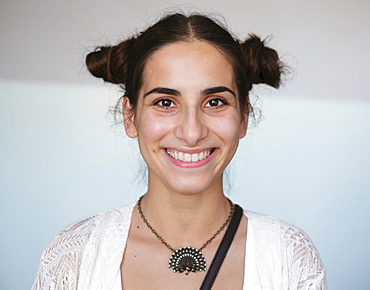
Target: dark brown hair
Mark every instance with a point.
(123, 64)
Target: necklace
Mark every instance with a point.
(187, 259)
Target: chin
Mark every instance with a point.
(190, 186)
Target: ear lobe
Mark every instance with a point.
(128, 118)
(244, 121)
(243, 127)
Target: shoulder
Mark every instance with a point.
(82, 229)
(66, 252)
(273, 227)
(286, 249)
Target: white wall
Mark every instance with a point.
(308, 162)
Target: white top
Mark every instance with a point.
(88, 254)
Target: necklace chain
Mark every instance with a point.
(232, 206)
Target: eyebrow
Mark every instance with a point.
(165, 91)
(218, 89)
(172, 92)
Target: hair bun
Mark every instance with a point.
(111, 62)
(263, 63)
(97, 62)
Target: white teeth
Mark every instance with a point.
(194, 157)
(201, 156)
(187, 157)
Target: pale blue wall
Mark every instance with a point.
(308, 161)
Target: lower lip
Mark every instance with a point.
(195, 164)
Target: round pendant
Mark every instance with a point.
(187, 259)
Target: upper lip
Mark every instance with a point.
(189, 151)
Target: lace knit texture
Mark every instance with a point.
(305, 268)
(60, 261)
(88, 254)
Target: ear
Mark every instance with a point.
(244, 121)
(128, 118)
(243, 127)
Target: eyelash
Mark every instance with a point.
(160, 103)
(223, 101)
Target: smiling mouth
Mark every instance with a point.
(188, 157)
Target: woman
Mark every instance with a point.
(186, 82)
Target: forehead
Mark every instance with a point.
(188, 62)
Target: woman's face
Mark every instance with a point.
(187, 118)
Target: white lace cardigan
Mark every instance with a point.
(88, 254)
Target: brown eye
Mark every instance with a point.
(217, 102)
(165, 103)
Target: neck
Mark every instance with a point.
(186, 219)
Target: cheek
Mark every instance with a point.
(152, 128)
(229, 128)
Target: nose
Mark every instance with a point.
(191, 127)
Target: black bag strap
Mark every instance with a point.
(222, 249)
